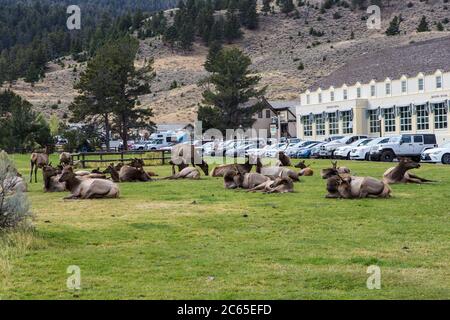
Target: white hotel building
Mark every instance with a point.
(398, 90)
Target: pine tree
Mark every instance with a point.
(170, 36)
(394, 27)
(233, 87)
(214, 49)
(217, 31)
(232, 28)
(248, 14)
(287, 6)
(423, 25)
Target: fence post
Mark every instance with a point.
(163, 157)
(83, 165)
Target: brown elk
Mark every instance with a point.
(305, 169)
(400, 174)
(51, 179)
(334, 170)
(112, 170)
(187, 173)
(220, 171)
(65, 158)
(362, 187)
(38, 160)
(183, 155)
(233, 179)
(283, 160)
(277, 172)
(280, 185)
(89, 188)
(132, 174)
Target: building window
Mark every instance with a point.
(308, 99)
(333, 123)
(320, 125)
(347, 122)
(404, 86)
(422, 117)
(374, 122)
(440, 116)
(345, 94)
(405, 119)
(438, 82)
(260, 114)
(268, 113)
(373, 91)
(320, 98)
(388, 89)
(358, 93)
(389, 120)
(307, 126)
(421, 85)
(332, 96)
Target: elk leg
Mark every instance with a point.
(333, 196)
(35, 173)
(414, 180)
(419, 178)
(31, 171)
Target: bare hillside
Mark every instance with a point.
(278, 49)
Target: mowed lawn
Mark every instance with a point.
(195, 240)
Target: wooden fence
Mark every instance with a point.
(162, 156)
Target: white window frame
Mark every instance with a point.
(388, 88)
(389, 120)
(404, 85)
(405, 118)
(423, 117)
(374, 121)
(439, 83)
(440, 116)
(307, 126)
(333, 126)
(320, 124)
(345, 94)
(421, 84)
(332, 96)
(358, 92)
(347, 122)
(373, 90)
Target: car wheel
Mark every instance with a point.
(367, 157)
(348, 156)
(387, 156)
(446, 158)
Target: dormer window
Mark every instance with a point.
(439, 82)
(320, 98)
(358, 92)
(421, 84)
(373, 90)
(388, 89)
(404, 86)
(345, 94)
(308, 99)
(332, 96)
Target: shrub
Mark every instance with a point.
(14, 205)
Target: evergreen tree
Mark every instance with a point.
(423, 25)
(287, 6)
(248, 14)
(214, 49)
(394, 27)
(266, 6)
(233, 88)
(170, 36)
(217, 30)
(232, 28)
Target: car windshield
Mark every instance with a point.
(446, 145)
(364, 142)
(395, 139)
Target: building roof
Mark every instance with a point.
(280, 105)
(409, 60)
(172, 126)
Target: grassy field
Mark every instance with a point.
(195, 240)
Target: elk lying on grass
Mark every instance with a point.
(220, 171)
(280, 185)
(38, 160)
(51, 179)
(277, 172)
(183, 155)
(89, 188)
(113, 171)
(132, 174)
(234, 179)
(283, 160)
(334, 170)
(400, 174)
(65, 158)
(187, 173)
(362, 187)
(305, 169)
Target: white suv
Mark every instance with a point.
(363, 152)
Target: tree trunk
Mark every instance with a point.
(124, 134)
(107, 132)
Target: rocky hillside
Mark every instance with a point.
(284, 52)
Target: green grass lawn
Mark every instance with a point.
(195, 240)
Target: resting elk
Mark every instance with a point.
(183, 155)
(305, 169)
(400, 174)
(233, 179)
(362, 187)
(277, 172)
(65, 158)
(38, 160)
(51, 179)
(187, 173)
(220, 171)
(280, 185)
(89, 188)
(283, 160)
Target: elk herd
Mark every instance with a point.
(280, 178)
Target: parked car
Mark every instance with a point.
(327, 151)
(272, 152)
(405, 145)
(363, 152)
(436, 155)
(293, 150)
(306, 152)
(315, 151)
(344, 151)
